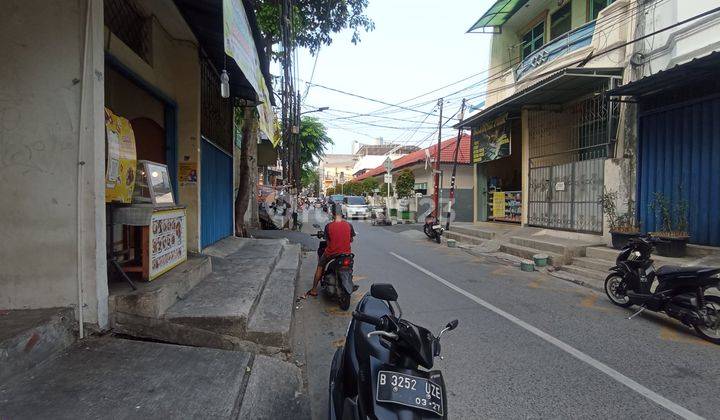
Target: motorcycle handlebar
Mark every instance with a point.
(368, 319)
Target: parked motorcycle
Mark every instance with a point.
(337, 279)
(377, 373)
(680, 291)
(432, 228)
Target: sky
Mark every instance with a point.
(417, 46)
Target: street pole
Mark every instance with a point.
(436, 211)
(455, 159)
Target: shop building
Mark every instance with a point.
(422, 164)
(83, 82)
(676, 91)
(549, 139)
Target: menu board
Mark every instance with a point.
(121, 159)
(491, 140)
(168, 241)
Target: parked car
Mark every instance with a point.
(355, 206)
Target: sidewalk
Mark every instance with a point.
(210, 339)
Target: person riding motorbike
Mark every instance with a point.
(338, 236)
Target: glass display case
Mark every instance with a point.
(153, 185)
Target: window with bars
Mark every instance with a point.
(216, 121)
(127, 21)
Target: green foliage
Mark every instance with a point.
(619, 222)
(310, 179)
(313, 141)
(672, 216)
(364, 187)
(330, 191)
(314, 21)
(405, 184)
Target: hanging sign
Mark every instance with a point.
(121, 159)
(168, 241)
(240, 45)
(388, 178)
(491, 140)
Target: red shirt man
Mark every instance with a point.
(338, 234)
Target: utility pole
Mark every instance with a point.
(285, 91)
(436, 193)
(455, 161)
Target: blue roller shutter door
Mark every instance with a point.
(679, 155)
(216, 194)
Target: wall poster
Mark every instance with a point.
(491, 140)
(168, 241)
(121, 159)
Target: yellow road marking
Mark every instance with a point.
(334, 311)
(589, 302)
(338, 343)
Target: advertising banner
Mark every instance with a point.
(168, 241)
(491, 140)
(121, 159)
(240, 45)
(498, 205)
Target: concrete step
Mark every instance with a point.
(474, 232)
(527, 253)
(602, 253)
(115, 378)
(153, 298)
(274, 391)
(31, 336)
(585, 272)
(271, 319)
(463, 238)
(593, 264)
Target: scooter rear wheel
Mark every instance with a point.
(344, 300)
(711, 314)
(614, 289)
(437, 237)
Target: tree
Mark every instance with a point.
(314, 23)
(405, 184)
(310, 179)
(313, 141)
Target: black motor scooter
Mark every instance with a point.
(337, 279)
(680, 291)
(432, 228)
(377, 373)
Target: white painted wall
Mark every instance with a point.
(41, 130)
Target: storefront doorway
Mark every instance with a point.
(497, 154)
(216, 194)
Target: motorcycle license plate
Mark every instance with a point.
(436, 227)
(410, 391)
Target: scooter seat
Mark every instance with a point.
(673, 271)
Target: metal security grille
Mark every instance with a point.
(568, 147)
(216, 112)
(125, 19)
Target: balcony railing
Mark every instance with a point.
(571, 41)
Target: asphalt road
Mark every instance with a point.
(528, 345)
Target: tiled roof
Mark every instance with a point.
(447, 150)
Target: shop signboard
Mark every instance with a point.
(168, 241)
(491, 140)
(240, 45)
(121, 159)
(498, 205)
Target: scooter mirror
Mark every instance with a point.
(452, 325)
(383, 291)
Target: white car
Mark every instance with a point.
(354, 206)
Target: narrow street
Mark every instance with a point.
(528, 344)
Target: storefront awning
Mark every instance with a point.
(697, 69)
(558, 89)
(496, 16)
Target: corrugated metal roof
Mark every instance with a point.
(557, 89)
(697, 68)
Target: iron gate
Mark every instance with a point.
(568, 147)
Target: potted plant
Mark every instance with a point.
(405, 188)
(623, 227)
(673, 222)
